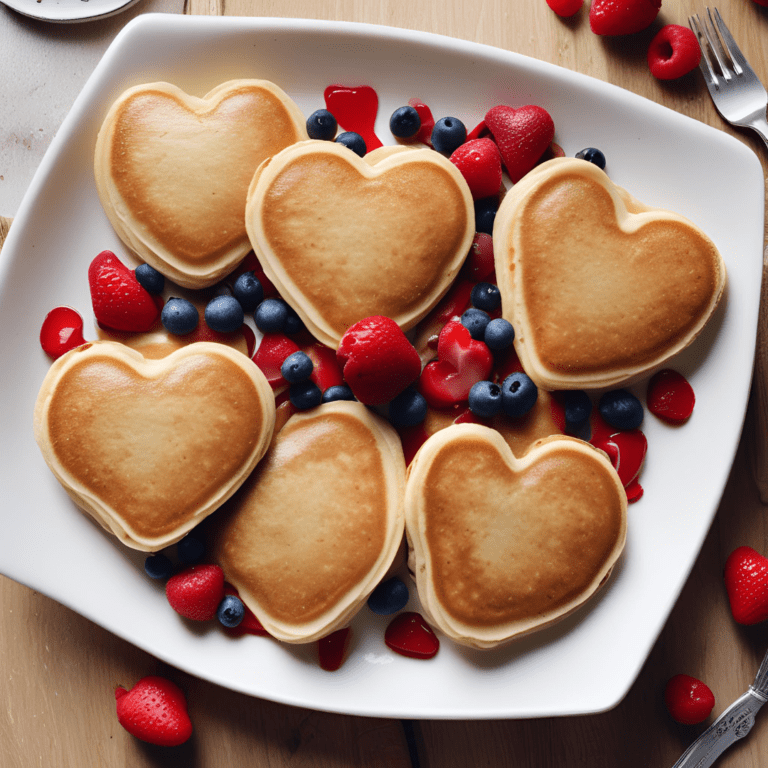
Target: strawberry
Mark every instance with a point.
(479, 266)
(622, 17)
(670, 396)
(522, 136)
(565, 8)
(271, 354)
(409, 635)
(480, 164)
(377, 360)
(119, 301)
(746, 582)
(155, 711)
(196, 592)
(688, 700)
(673, 52)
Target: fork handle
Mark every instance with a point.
(759, 125)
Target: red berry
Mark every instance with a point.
(565, 7)
(673, 52)
(688, 700)
(61, 331)
(670, 396)
(409, 635)
(196, 592)
(331, 649)
(271, 354)
(622, 17)
(764, 3)
(480, 164)
(746, 582)
(326, 371)
(427, 121)
(479, 265)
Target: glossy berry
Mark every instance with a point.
(485, 399)
(62, 330)
(248, 291)
(448, 134)
(673, 52)
(499, 334)
(518, 394)
(190, 549)
(670, 396)
(592, 155)
(475, 321)
(485, 214)
(179, 316)
(405, 123)
(158, 566)
(271, 315)
(150, 279)
(486, 296)
(297, 367)
(322, 125)
(224, 314)
(578, 408)
(565, 8)
(621, 409)
(745, 576)
(479, 162)
(338, 392)
(688, 700)
(231, 611)
(196, 592)
(409, 635)
(622, 17)
(389, 597)
(353, 141)
(305, 394)
(408, 409)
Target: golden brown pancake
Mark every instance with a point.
(503, 546)
(317, 525)
(151, 447)
(600, 288)
(344, 237)
(173, 170)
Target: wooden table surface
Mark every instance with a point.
(58, 670)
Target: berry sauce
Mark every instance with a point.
(62, 330)
(355, 110)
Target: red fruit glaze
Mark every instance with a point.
(673, 52)
(688, 700)
(271, 354)
(479, 162)
(61, 331)
(331, 649)
(746, 582)
(355, 110)
(409, 635)
(670, 396)
(565, 8)
(622, 17)
(196, 592)
(427, 121)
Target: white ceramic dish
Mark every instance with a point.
(663, 158)
(64, 11)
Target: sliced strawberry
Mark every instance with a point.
(409, 635)
(271, 354)
(327, 371)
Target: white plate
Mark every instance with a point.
(69, 10)
(663, 158)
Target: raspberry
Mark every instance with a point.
(673, 52)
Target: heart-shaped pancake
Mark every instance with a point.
(601, 289)
(172, 171)
(151, 447)
(502, 546)
(318, 523)
(344, 237)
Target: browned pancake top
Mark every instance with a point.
(599, 297)
(185, 175)
(508, 546)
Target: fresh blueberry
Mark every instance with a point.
(408, 408)
(321, 124)
(297, 367)
(485, 399)
(485, 214)
(150, 279)
(404, 123)
(621, 409)
(222, 289)
(224, 314)
(271, 315)
(486, 296)
(248, 291)
(389, 597)
(578, 408)
(179, 316)
(158, 566)
(518, 394)
(499, 334)
(475, 321)
(592, 155)
(231, 611)
(293, 323)
(338, 392)
(190, 549)
(448, 134)
(305, 394)
(353, 141)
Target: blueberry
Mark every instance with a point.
(499, 334)
(404, 123)
(271, 315)
(321, 124)
(224, 314)
(179, 316)
(621, 409)
(448, 134)
(518, 394)
(293, 323)
(305, 394)
(485, 214)
(231, 611)
(150, 279)
(592, 155)
(338, 392)
(190, 549)
(158, 566)
(485, 399)
(475, 321)
(578, 408)
(353, 141)
(248, 291)
(297, 367)
(408, 408)
(389, 597)
(486, 296)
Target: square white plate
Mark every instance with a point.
(661, 157)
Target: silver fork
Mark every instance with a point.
(736, 91)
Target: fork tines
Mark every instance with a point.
(720, 44)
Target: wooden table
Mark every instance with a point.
(58, 670)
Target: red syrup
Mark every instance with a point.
(670, 396)
(427, 121)
(355, 110)
(62, 330)
(332, 649)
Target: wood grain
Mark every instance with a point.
(59, 670)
